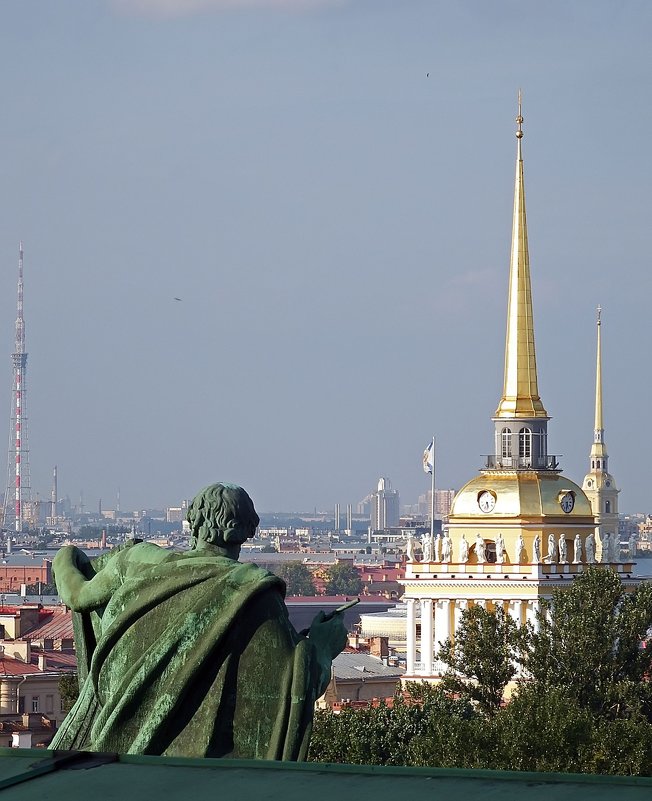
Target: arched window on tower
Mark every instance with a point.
(598, 464)
(607, 506)
(506, 436)
(525, 443)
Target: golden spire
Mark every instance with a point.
(520, 391)
(598, 449)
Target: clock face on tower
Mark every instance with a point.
(567, 502)
(486, 501)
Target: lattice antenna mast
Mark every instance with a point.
(18, 483)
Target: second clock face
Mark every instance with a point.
(486, 501)
(567, 502)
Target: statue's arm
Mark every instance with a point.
(79, 586)
(328, 638)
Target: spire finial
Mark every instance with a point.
(519, 118)
(599, 310)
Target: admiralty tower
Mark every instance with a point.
(519, 528)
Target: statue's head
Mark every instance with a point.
(222, 515)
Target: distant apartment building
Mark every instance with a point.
(443, 503)
(385, 512)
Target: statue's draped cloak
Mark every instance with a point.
(194, 656)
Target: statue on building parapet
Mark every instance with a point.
(521, 556)
(605, 550)
(446, 548)
(632, 546)
(500, 549)
(577, 550)
(614, 548)
(589, 548)
(437, 548)
(536, 549)
(411, 549)
(552, 549)
(563, 553)
(191, 654)
(426, 548)
(464, 550)
(480, 549)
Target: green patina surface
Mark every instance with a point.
(40, 774)
(191, 654)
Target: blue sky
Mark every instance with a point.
(337, 225)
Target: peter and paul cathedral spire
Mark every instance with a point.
(599, 485)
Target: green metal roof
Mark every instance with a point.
(38, 774)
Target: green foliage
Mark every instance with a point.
(297, 577)
(343, 579)
(69, 690)
(583, 704)
(590, 642)
(482, 659)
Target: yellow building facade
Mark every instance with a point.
(518, 529)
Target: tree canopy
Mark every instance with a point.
(343, 579)
(581, 699)
(297, 578)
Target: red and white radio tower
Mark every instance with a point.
(18, 485)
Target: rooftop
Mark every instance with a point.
(38, 774)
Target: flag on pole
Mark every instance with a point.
(429, 458)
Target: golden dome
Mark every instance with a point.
(520, 495)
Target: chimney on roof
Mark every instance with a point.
(42, 662)
(379, 646)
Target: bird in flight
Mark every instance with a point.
(179, 299)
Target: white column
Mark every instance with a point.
(442, 621)
(426, 636)
(514, 611)
(460, 605)
(531, 613)
(411, 636)
(480, 602)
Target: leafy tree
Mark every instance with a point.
(297, 577)
(591, 642)
(68, 689)
(482, 659)
(343, 579)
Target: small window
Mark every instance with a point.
(525, 443)
(506, 438)
(35, 703)
(49, 703)
(589, 483)
(598, 464)
(607, 506)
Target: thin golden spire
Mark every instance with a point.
(520, 390)
(599, 448)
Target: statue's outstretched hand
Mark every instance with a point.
(328, 633)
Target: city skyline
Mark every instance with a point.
(327, 189)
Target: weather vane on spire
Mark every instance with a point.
(519, 118)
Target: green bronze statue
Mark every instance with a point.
(191, 654)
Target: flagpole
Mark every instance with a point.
(432, 495)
